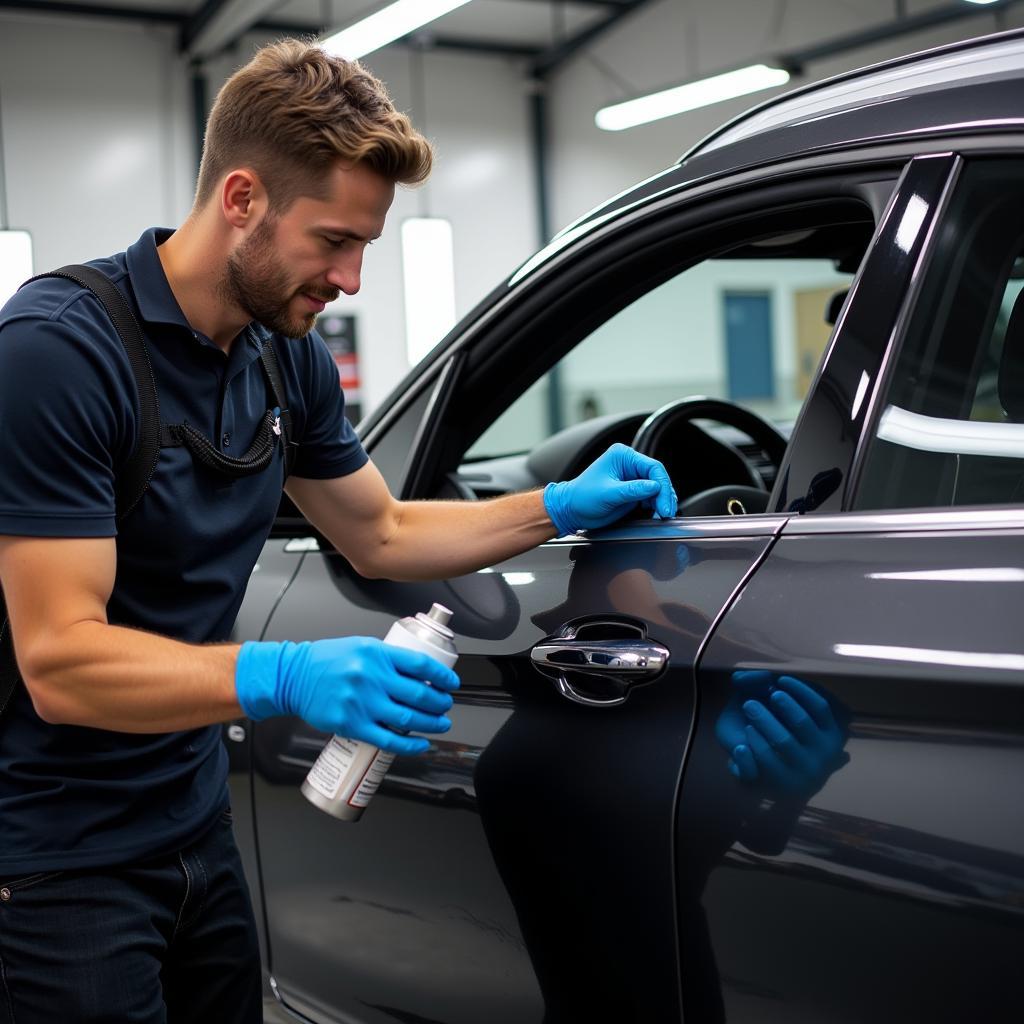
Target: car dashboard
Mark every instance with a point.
(691, 452)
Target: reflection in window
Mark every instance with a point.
(951, 428)
(752, 330)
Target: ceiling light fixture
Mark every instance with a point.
(690, 96)
(391, 23)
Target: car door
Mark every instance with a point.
(873, 866)
(524, 869)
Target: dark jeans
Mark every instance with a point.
(163, 942)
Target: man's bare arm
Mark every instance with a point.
(80, 670)
(411, 540)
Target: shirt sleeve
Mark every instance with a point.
(66, 422)
(328, 445)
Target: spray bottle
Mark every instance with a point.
(348, 772)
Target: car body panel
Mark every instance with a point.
(909, 859)
(455, 843)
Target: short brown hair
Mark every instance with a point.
(293, 111)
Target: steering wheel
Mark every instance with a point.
(730, 499)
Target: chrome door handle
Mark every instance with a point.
(622, 663)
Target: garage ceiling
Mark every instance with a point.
(546, 29)
(545, 32)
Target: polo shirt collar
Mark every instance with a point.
(158, 305)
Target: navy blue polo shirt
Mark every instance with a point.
(78, 797)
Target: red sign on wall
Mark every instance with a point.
(339, 332)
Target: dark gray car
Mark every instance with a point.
(815, 813)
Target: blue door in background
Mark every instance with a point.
(748, 344)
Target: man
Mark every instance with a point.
(121, 892)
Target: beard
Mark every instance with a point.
(258, 283)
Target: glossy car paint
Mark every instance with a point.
(484, 882)
(897, 888)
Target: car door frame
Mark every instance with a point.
(843, 527)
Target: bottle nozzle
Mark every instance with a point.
(439, 614)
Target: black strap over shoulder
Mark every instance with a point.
(134, 476)
(272, 369)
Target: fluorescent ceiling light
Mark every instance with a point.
(15, 262)
(429, 275)
(981, 1)
(690, 96)
(393, 22)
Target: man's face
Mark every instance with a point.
(290, 266)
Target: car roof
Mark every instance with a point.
(998, 57)
(961, 88)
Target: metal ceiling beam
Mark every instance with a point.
(484, 47)
(94, 11)
(196, 22)
(544, 61)
(552, 59)
(220, 23)
(582, 3)
(902, 26)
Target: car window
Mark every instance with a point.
(950, 428)
(751, 330)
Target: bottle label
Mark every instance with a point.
(350, 771)
(330, 768)
(372, 779)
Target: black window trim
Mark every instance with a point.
(857, 349)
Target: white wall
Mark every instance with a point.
(99, 140)
(96, 133)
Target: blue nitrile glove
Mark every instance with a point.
(612, 485)
(354, 686)
(787, 737)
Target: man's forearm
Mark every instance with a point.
(440, 539)
(110, 677)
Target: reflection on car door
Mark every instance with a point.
(519, 871)
(849, 833)
(880, 873)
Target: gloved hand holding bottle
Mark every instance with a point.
(354, 686)
(609, 488)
